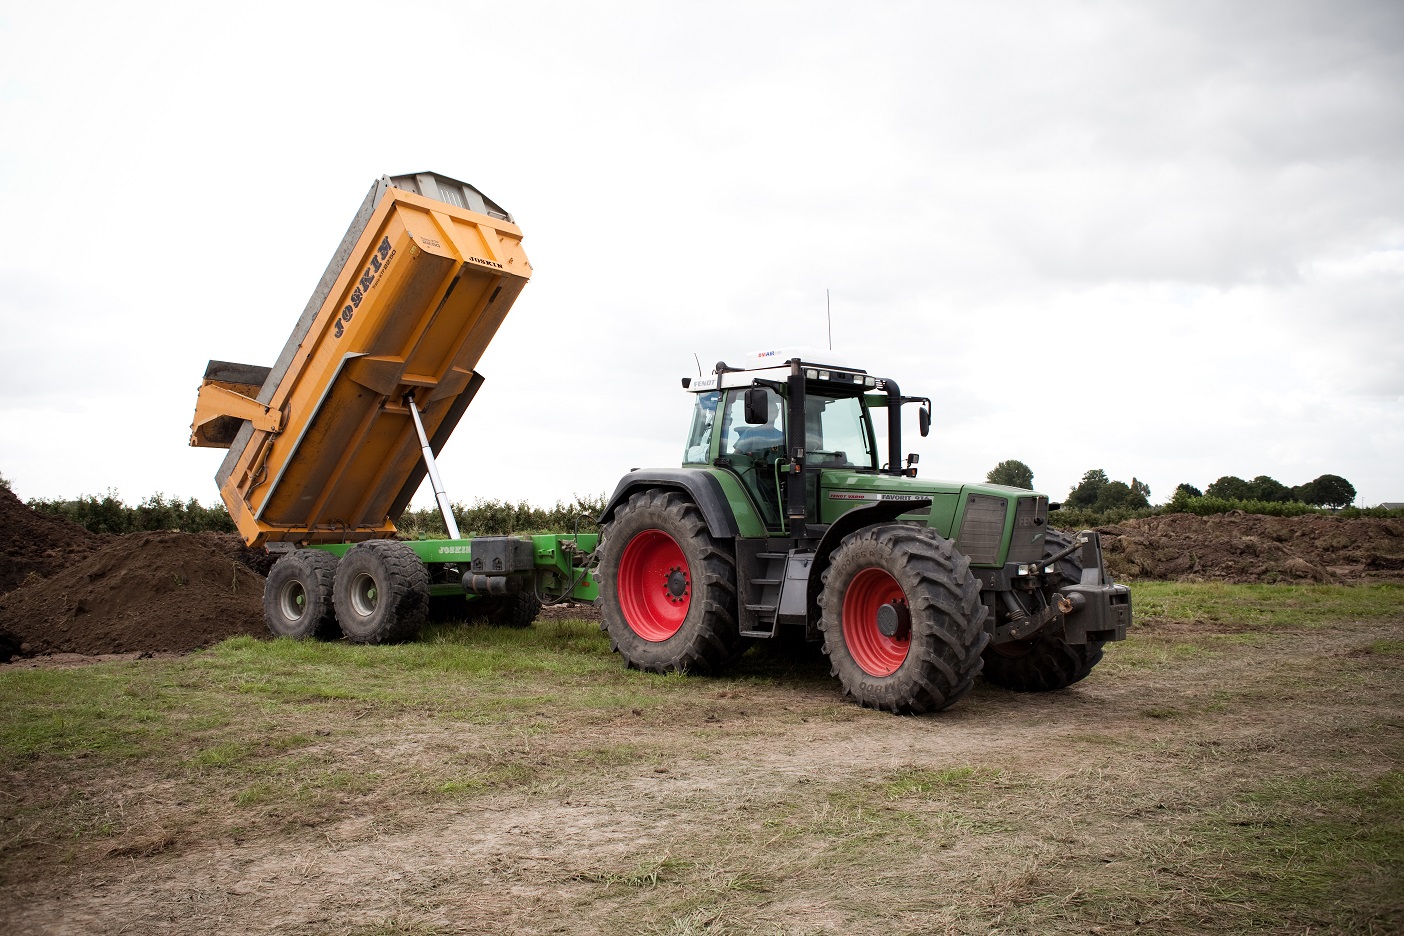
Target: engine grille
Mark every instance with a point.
(1030, 524)
(982, 528)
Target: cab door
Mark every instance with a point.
(755, 453)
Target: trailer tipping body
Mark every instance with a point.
(322, 445)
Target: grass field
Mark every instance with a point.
(1237, 765)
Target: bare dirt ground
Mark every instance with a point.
(1178, 790)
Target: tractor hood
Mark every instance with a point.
(991, 523)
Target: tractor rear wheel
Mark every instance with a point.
(902, 619)
(297, 596)
(381, 592)
(669, 587)
(1045, 662)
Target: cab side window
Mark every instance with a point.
(699, 437)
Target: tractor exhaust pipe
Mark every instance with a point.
(894, 428)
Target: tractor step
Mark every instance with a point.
(761, 597)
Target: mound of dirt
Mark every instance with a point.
(1248, 548)
(232, 545)
(37, 544)
(139, 592)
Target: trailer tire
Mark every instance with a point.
(515, 610)
(381, 592)
(902, 619)
(297, 595)
(1045, 662)
(668, 596)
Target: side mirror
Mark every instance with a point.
(924, 421)
(757, 406)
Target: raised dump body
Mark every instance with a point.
(322, 445)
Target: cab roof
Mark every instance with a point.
(774, 364)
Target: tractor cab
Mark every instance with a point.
(791, 430)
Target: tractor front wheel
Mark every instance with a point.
(381, 592)
(297, 596)
(669, 589)
(902, 619)
(1045, 662)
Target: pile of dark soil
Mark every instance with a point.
(37, 544)
(140, 592)
(1249, 548)
(232, 545)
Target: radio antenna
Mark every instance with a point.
(699, 363)
(829, 315)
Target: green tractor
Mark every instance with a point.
(786, 521)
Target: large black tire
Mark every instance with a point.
(911, 581)
(515, 610)
(297, 596)
(381, 592)
(1045, 662)
(669, 588)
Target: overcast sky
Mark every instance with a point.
(1161, 239)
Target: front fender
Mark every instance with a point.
(851, 522)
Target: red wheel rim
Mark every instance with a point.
(874, 652)
(654, 586)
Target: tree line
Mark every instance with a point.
(108, 513)
(1098, 493)
(1328, 490)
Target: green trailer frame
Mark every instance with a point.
(562, 568)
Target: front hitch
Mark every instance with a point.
(1095, 609)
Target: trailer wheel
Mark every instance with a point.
(515, 610)
(1045, 662)
(297, 595)
(381, 592)
(668, 600)
(902, 619)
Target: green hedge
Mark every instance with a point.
(1069, 519)
(487, 517)
(108, 514)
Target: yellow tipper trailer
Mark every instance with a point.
(323, 446)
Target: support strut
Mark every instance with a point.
(433, 468)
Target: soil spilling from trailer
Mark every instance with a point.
(1249, 548)
(143, 592)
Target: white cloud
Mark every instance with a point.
(1160, 239)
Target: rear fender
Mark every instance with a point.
(700, 485)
